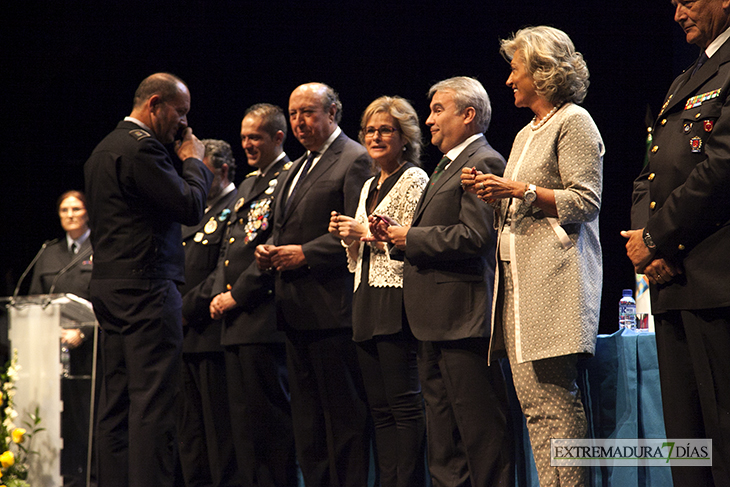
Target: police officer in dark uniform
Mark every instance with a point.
(682, 210)
(204, 431)
(137, 200)
(254, 349)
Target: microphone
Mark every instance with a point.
(30, 266)
(80, 256)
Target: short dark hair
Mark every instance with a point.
(164, 84)
(272, 118)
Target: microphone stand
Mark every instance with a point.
(30, 266)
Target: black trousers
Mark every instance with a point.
(467, 420)
(693, 348)
(329, 408)
(204, 427)
(261, 420)
(141, 344)
(390, 374)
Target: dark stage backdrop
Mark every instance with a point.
(69, 71)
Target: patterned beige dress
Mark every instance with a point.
(549, 279)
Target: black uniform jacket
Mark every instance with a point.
(55, 258)
(683, 195)
(136, 203)
(251, 224)
(202, 243)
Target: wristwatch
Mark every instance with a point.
(648, 241)
(530, 194)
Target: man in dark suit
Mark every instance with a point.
(682, 210)
(137, 201)
(255, 356)
(203, 425)
(448, 276)
(313, 292)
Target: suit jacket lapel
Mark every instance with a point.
(453, 171)
(330, 157)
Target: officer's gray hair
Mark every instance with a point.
(219, 152)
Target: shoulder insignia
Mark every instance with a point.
(272, 186)
(251, 174)
(139, 134)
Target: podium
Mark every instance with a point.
(35, 331)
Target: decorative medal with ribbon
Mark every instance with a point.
(211, 226)
(696, 144)
(239, 204)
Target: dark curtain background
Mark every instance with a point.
(69, 71)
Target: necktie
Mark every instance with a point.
(438, 171)
(302, 175)
(703, 57)
(73, 248)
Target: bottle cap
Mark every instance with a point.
(628, 292)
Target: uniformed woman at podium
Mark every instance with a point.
(65, 267)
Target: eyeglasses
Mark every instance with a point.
(385, 131)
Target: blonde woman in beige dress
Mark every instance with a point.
(549, 276)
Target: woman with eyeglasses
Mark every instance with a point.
(386, 348)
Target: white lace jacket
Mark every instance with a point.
(399, 204)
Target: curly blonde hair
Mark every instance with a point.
(559, 71)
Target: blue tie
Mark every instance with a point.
(302, 175)
(703, 57)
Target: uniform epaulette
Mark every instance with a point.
(139, 134)
(251, 174)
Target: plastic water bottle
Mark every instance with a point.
(627, 310)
